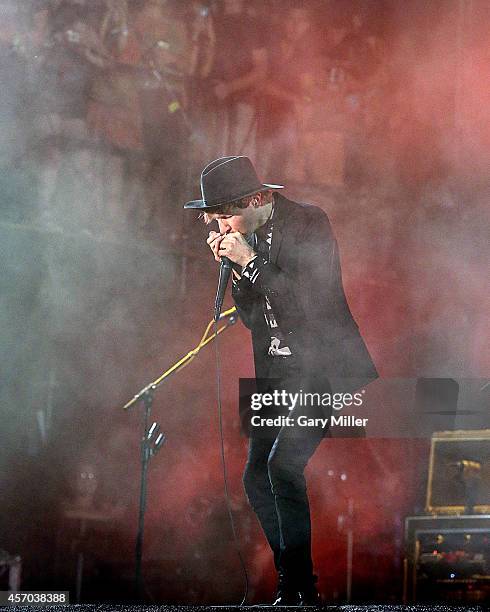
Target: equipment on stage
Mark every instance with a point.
(448, 551)
(459, 473)
(83, 537)
(447, 559)
(153, 439)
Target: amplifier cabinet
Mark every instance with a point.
(447, 559)
(459, 473)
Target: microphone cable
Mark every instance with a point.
(225, 471)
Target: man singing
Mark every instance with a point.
(287, 287)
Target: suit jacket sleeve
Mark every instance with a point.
(305, 290)
(247, 301)
(309, 274)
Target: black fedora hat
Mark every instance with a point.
(228, 179)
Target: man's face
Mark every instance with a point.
(242, 220)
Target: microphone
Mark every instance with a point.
(224, 276)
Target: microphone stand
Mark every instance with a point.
(153, 439)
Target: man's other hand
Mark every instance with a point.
(235, 247)
(214, 240)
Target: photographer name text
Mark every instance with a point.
(305, 421)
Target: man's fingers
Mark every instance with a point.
(230, 240)
(212, 237)
(214, 240)
(217, 243)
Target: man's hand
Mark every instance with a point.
(214, 240)
(235, 247)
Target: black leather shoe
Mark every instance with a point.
(310, 597)
(286, 597)
(287, 593)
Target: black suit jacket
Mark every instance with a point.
(303, 282)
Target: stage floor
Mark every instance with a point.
(173, 608)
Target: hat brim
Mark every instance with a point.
(203, 205)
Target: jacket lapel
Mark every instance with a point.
(277, 233)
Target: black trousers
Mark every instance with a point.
(275, 484)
